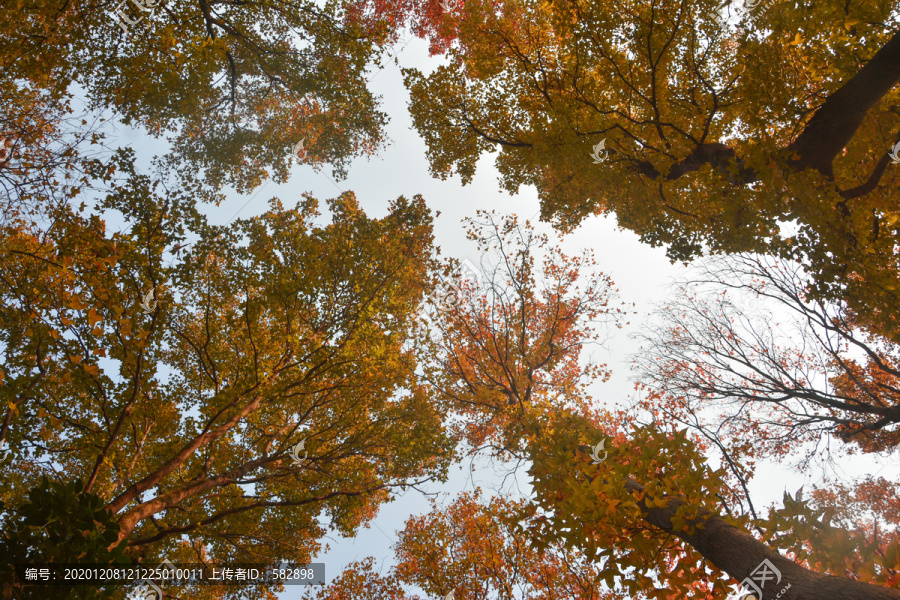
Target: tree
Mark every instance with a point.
(789, 374)
(360, 581)
(790, 370)
(237, 84)
(60, 523)
(473, 548)
(42, 158)
(641, 500)
(516, 342)
(769, 134)
(178, 387)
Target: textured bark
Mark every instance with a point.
(738, 553)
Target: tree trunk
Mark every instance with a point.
(834, 123)
(739, 554)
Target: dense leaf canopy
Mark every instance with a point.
(758, 129)
(173, 389)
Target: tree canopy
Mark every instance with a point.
(236, 84)
(473, 548)
(762, 129)
(174, 386)
(161, 376)
(608, 486)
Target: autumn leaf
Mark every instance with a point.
(716, 138)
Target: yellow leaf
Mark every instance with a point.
(798, 39)
(76, 303)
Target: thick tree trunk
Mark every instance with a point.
(826, 134)
(836, 121)
(739, 554)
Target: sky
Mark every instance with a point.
(643, 275)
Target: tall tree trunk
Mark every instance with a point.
(836, 121)
(738, 553)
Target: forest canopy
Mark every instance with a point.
(173, 389)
